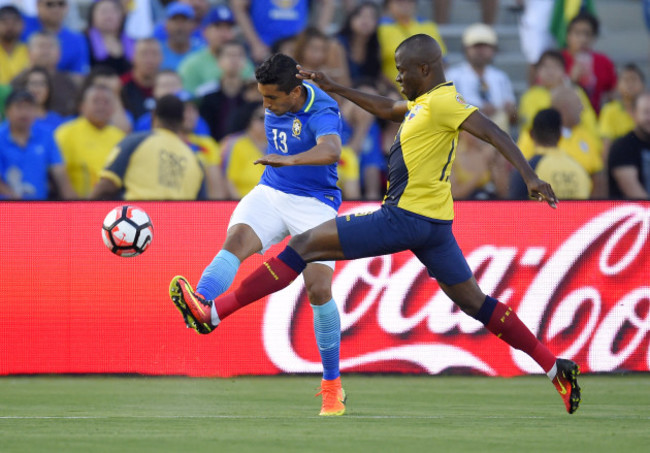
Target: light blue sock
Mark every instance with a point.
(327, 327)
(218, 276)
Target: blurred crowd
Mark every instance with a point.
(77, 78)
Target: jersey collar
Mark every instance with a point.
(443, 84)
(311, 96)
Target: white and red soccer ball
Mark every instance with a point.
(127, 231)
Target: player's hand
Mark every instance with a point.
(324, 82)
(274, 160)
(542, 191)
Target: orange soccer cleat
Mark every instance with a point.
(566, 383)
(334, 397)
(194, 308)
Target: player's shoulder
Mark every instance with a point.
(318, 100)
(444, 93)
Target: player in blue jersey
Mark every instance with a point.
(297, 192)
(418, 209)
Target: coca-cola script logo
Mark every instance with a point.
(584, 291)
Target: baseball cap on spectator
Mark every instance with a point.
(479, 34)
(10, 10)
(179, 9)
(218, 15)
(19, 96)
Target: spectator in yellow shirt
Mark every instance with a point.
(617, 116)
(241, 150)
(14, 57)
(471, 176)
(569, 179)
(86, 142)
(399, 23)
(550, 74)
(577, 140)
(154, 165)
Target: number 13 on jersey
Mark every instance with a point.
(280, 141)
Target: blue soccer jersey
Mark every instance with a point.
(294, 133)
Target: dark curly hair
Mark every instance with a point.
(280, 70)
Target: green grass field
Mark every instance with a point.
(279, 414)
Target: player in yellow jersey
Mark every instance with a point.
(418, 209)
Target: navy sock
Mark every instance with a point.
(486, 310)
(291, 258)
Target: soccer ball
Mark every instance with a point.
(127, 231)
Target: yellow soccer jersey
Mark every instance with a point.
(390, 35)
(567, 177)
(240, 170)
(579, 143)
(421, 157)
(614, 121)
(155, 165)
(84, 149)
(13, 64)
(539, 98)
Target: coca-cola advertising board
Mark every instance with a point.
(577, 276)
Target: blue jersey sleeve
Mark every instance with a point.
(325, 122)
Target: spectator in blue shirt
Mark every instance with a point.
(29, 155)
(169, 82)
(74, 48)
(180, 25)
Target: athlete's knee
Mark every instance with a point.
(241, 242)
(319, 292)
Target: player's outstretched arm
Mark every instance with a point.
(482, 127)
(380, 106)
(326, 152)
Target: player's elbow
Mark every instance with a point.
(331, 151)
(334, 155)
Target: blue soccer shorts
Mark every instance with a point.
(391, 230)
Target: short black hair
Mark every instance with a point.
(547, 127)
(280, 70)
(633, 67)
(585, 16)
(10, 10)
(19, 96)
(169, 111)
(553, 54)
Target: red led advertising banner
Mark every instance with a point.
(577, 276)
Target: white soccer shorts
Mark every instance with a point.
(273, 215)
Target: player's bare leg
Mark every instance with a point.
(502, 321)
(327, 330)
